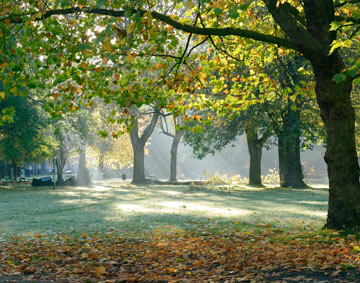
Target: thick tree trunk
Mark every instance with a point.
(339, 118)
(138, 145)
(255, 151)
(59, 167)
(173, 155)
(290, 169)
(139, 164)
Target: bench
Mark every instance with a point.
(22, 180)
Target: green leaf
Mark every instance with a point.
(356, 14)
(338, 78)
(245, 6)
(103, 133)
(352, 71)
(83, 46)
(65, 3)
(233, 13)
(217, 11)
(100, 3)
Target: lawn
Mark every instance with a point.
(117, 232)
(114, 204)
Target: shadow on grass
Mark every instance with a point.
(28, 210)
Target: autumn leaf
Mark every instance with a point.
(107, 46)
(99, 271)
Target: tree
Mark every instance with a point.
(23, 137)
(109, 144)
(315, 29)
(175, 133)
(224, 130)
(138, 142)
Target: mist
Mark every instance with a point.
(233, 159)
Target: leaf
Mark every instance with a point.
(103, 133)
(338, 78)
(83, 46)
(107, 45)
(233, 13)
(2, 95)
(217, 11)
(99, 271)
(352, 71)
(130, 57)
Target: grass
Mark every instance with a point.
(27, 211)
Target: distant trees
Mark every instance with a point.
(24, 137)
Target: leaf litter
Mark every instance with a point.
(262, 254)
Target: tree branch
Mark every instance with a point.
(168, 20)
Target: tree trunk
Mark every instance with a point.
(282, 158)
(83, 176)
(339, 118)
(173, 155)
(139, 164)
(138, 145)
(255, 151)
(101, 166)
(13, 170)
(60, 164)
(290, 169)
(60, 167)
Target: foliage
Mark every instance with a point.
(272, 178)
(108, 146)
(25, 137)
(72, 234)
(251, 255)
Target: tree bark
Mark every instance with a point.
(255, 151)
(290, 169)
(60, 163)
(139, 164)
(83, 176)
(60, 167)
(314, 40)
(138, 145)
(173, 155)
(341, 158)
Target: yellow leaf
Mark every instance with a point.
(130, 57)
(130, 28)
(220, 4)
(2, 95)
(107, 45)
(105, 60)
(149, 21)
(72, 23)
(14, 90)
(190, 4)
(83, 65)
(174, 17)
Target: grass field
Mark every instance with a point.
(27, 210)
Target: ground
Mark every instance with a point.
(116, 232)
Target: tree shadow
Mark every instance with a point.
(152, 207)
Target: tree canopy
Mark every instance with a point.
(142, 53)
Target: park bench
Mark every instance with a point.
(6, 181)
(22, 180)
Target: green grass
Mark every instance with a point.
(27, 210)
